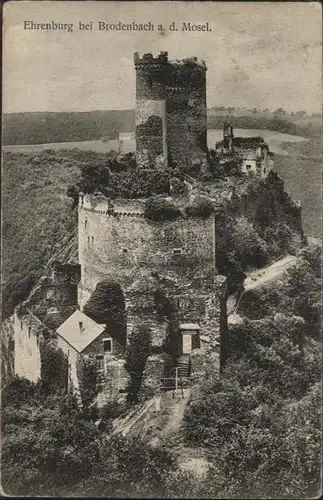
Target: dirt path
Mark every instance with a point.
(258, 278)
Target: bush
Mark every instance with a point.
(160, 209)
(107, 306)
(201, 207)
(136, 359)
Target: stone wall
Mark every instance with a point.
(123, 246)
(96, 347)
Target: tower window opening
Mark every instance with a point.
(29, 330)
(85, 222)
(107, 345)
(92, 240)
(124, 250)
(177, 251)
(88, 240)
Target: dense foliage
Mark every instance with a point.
(107, 306)
(89, 380)
(37, 221)
(161, 209)
(299, 293)
(262, 421)
(136, 359)
(54, 368)
(49, 448)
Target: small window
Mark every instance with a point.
(20, 325)
(29, 330)
(124, 250)
(177, 251)
(100, 362)
(107, 345)
(85, 222)
(88, 240)
(92, 239)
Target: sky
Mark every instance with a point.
(264, 55)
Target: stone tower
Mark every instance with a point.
(186, 112)
(151, 76)
(170, 110)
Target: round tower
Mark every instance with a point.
(151, 134)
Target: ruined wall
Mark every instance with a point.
(27, 335)
(123, 246)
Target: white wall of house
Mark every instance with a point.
(249, 165)
(27, 354)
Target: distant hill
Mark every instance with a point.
(45, 127)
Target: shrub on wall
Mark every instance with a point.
(160, 209)
(89, 384)
(107, 306)
(136, 359)
(54, 368)
(200, 207)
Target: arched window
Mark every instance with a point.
(88, 240)
(85, 222)
(92, 240)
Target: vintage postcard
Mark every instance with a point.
(161, 249)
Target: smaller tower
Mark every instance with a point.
(228, 136)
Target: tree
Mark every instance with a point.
(107, 306)
(94, 177)
(160, 209)
(73, 192)
(136, 359)
(89, 385)
(54, 368)
(280, 111)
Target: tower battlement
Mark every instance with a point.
(170, 110)
(148, 60)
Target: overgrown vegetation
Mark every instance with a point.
(262, 420)
(49, 447)
(89, 380)
(136, 359)
(107, 306)
(37, 221)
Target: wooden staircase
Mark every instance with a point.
(184, 366)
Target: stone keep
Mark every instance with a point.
(120, 244)
(170, 110)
